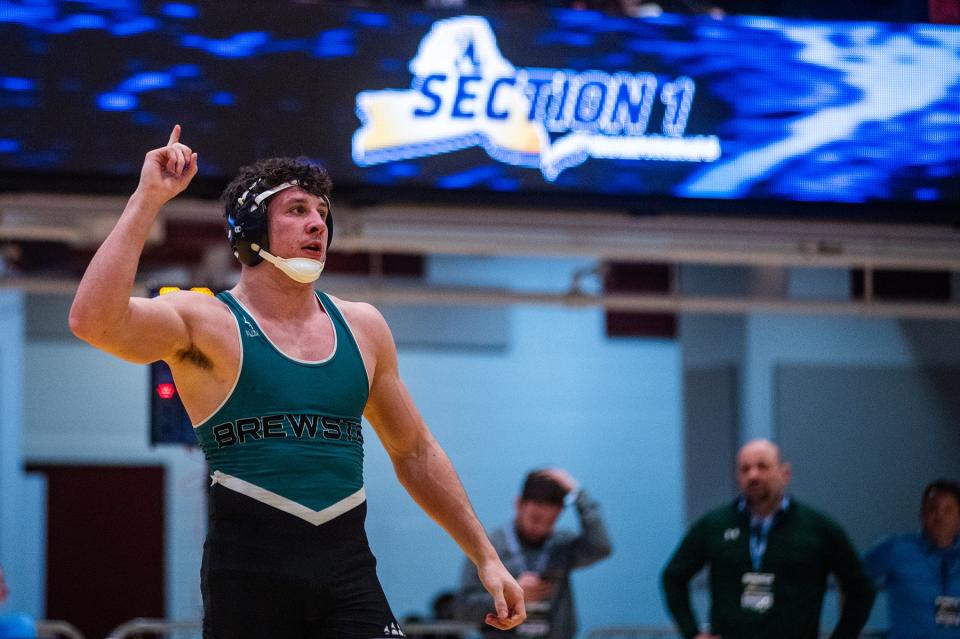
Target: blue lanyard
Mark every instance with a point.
(947, 557)
(944, 573)
(759, 531)
(513, 545)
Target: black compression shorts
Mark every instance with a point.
(270, 575)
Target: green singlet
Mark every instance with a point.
(289, 433)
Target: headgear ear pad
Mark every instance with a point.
(247, 222)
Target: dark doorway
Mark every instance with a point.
(105, 544)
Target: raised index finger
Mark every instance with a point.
(174, 135)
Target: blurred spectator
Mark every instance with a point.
(922, 572)
(769, 557)
(13, 625)
(540, 557)
(443, 606)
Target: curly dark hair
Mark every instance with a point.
(311, 177)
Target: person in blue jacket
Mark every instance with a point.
(921, 572)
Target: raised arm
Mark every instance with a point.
(427, 474)
(593, 542)
(103, 313)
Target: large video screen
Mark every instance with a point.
(559, 103)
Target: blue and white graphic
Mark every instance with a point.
(860, 80)
(465, 93)
(667, 112)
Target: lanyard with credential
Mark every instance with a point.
(944, 573)
(946, 558)
(513, 545)
(759, 531)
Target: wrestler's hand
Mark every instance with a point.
(507, 596)
(167, 171)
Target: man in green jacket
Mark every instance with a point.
(769, 557)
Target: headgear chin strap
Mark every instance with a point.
(299, 269)
(247, 224)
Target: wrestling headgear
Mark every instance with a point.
(247, 221)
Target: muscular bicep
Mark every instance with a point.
(390, 408)
(150, 330)
(392, 413)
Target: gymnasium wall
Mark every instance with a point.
(521, 386)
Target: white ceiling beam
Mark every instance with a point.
(85, 220)
(387, 292)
